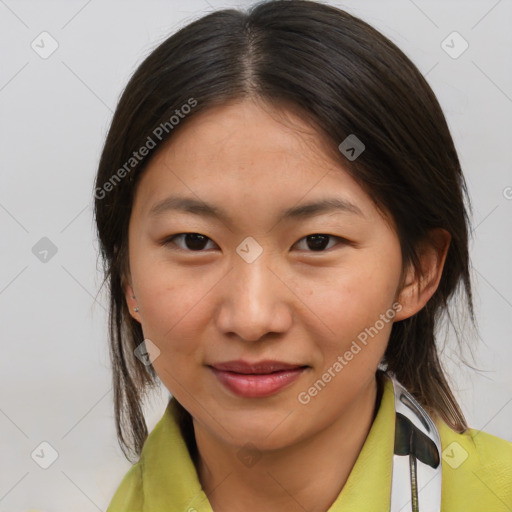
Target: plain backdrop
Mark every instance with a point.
(55, 380)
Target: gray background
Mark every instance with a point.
(54, 113)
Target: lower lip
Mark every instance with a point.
(252, 385)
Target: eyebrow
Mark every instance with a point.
(201, 208)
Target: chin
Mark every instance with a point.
(260, 442)
(270, 431)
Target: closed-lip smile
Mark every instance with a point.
(257, 379)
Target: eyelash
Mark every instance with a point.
(169, 241)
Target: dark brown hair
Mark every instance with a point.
(343, 77)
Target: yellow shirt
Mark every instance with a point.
(476, 468)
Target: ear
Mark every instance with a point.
(418, 289)
(131, 299)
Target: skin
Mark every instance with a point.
(291, 304)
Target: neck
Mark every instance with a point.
(282, 479)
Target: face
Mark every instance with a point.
(316, 288)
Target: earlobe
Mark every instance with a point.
(419, 287)
(131, 301)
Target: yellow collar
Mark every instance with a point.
(170, 477)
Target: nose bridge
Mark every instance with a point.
(254, 286)
(251, 302)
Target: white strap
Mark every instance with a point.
(417, 476)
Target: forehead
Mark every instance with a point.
(247, 154)
(248, 132)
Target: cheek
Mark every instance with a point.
(171, 308)
(169, 305)
(352, 302)
(359, 296)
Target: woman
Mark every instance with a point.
(281, 215)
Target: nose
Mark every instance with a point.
(255, 301)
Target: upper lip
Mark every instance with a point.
(266, 366)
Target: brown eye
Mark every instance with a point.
(194, 242)
(318, 241)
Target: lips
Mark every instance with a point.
(255, 368)
(259, 379)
